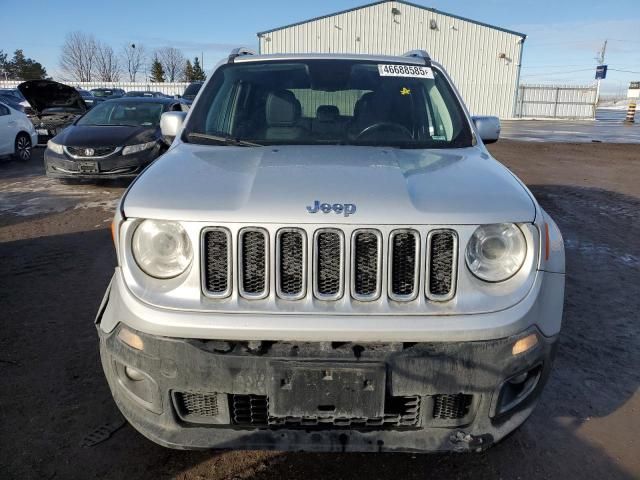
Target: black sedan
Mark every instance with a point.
(115, 139)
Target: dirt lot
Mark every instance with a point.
(56, 259)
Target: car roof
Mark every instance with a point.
(330, 56)
(163, 100)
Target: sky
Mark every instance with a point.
(563, 36)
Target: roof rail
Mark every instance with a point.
(239, 52)
(419, 54)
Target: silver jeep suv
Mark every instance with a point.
(328, 259)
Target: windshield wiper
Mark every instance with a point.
(222, 140)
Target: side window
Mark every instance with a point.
(3, 110)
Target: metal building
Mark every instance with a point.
(483, 60)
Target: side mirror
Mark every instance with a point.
(488, 128)
(171, 124)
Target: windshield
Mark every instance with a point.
(320, 102)
(102, 93)
(192, 90)
(143, 114)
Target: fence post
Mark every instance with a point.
(555, 104)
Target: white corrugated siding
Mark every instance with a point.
(470, 52)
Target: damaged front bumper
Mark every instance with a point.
(324, 396)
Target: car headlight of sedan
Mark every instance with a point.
(131, 149)
(162, 249)
(55, 147)
(496, 252)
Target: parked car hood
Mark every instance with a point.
(101, 136)
(276, 184)
(44, 94)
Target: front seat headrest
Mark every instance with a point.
(282, 109)
(327, 113)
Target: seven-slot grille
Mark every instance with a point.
(327, 250)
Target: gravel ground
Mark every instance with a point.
(56, 260)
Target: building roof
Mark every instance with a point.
(522, 35)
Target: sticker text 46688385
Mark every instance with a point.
(415, 71)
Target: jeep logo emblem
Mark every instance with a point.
(340, 208)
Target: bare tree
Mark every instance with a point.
(133, 57)
(172, 61)
(107, 64)
(78, 56)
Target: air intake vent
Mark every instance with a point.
(216, 246)
(451, 407)
(291, 263)
(366, 264)
(249, 409)
(329, 264)
(198, 407)
(403, 266)
(253, 248)
(442, 248)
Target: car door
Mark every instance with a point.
(8, 127)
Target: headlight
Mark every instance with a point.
(496, 252)
(129, 149)
(161, 249)
(54, 147)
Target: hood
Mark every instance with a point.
(44, 94)
(101, 136)
(277, 184)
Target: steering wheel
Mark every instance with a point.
(389, 126)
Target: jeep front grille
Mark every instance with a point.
(217, 268)
(442, 250)
(253, 248)
(327, 263)
(366, 251)
(291, 263)
(404, 265)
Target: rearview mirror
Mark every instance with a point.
(488, 128)
(171, 124)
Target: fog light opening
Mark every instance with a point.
(128, 337)
(524, 344)
(517, 388)
(133, 374)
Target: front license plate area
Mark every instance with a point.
(302, 389)
(42, 131)
(88, 167)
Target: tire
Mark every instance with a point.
(23, 147)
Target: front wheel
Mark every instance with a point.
(23, 147)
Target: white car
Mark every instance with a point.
(17, 134)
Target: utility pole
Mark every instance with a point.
(600, 60)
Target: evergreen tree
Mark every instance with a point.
(188, 72)
(23, 68)
(198, 73)
(157, 72)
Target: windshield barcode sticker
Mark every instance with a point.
(414, 71)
